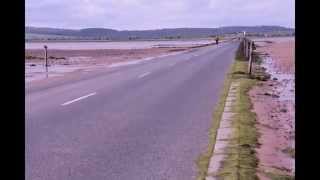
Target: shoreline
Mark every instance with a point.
(62, 62)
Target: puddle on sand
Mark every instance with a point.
(38, 71)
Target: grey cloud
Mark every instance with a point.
(151, 14)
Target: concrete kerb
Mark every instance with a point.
(231, 98)
(228, 115)
(210, 178)
(215, 163)
(224, 133)
(228, 109)
(229, 103)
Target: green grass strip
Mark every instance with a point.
(241, 161)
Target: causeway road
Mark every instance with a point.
(145, 121)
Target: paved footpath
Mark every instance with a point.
(224, 134)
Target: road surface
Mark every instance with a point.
(147, 121)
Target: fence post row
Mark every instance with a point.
(248, 48)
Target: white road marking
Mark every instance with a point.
(78, 99)
(143, 75)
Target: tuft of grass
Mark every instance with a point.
(256, 58)
(290, 151)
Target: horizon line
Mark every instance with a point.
(158, 28)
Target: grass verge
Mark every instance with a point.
(204, 159)
(241, 162)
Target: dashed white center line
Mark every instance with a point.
(78, 99)
(143, 75)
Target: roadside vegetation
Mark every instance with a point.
(204, 159)
(241, 162)
(290, 151)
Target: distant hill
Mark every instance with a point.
(39, 33)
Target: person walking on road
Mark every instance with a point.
(217, 40)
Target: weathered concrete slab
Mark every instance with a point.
(229, 103)
(234, 87)
(226, 123)
(235, 90)
(231, 98)
(215, 163)
(228, 109)
(220, 147)
(232, 95)
(228, 115)
(233, 101)
(211, 178)
(224, 133)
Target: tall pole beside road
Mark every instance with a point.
(46, 58)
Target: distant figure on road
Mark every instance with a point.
(217, 40)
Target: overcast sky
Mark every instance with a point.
(156, 14)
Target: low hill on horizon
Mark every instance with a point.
(43, 33)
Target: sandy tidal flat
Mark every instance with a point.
(274, 103)
(63, 62)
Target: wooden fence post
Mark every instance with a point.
(248, 54)
(247, 48)
(244, 47)
(250, 58)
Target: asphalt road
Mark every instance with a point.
(147, 121)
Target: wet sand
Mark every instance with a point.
(80, 45)
(274, 103)
(95, 56)
(63, 62)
